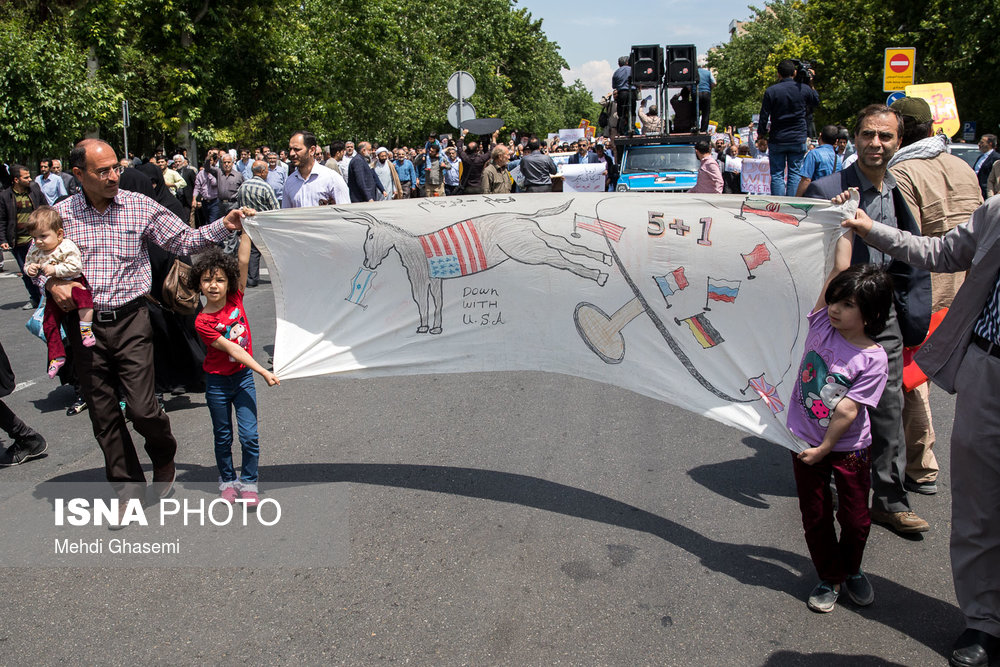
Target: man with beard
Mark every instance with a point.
(877, 134)
(310, 183)
(385, 171)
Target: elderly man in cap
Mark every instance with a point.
(941, 195)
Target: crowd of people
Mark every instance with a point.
(920, 209)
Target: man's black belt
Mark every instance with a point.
(988, 347)
(115, 314)
(227, 201)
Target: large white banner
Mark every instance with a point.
(699, 301)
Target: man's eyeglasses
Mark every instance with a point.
(105, 174)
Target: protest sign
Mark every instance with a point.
(583, 177)
(755, 176)
(571, 134)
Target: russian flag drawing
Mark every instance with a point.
(454, 251)
(723, 290)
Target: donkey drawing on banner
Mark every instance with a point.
(468, 247)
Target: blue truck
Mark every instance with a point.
(657, 163)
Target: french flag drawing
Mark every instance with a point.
(672, 282)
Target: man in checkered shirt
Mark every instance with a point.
(112, 228)
(255, 193)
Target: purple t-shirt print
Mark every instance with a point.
(831, 369)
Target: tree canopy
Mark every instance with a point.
(846, 41)
(255, 71)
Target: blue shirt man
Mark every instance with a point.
(820, 161)
(706, 82)
(52, 186)
(244, 164)
(622, 76)
(275, 176)
(405, 170)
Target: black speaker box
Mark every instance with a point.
(647, 64)
(682, 65)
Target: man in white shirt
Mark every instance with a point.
(345, 161)
(310, 183)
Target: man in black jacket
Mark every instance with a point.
(475, 158)
(877, 135)
(185, 194)
(360, 176)
(983, 166)
(786, 105)
(16, 204)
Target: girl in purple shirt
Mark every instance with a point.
(843, 372)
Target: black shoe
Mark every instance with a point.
(252, 283)
(178, 390)
(78, 406)
(974, 649)
(24, 449)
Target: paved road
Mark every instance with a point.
(507, 518)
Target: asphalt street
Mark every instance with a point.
(505, 518)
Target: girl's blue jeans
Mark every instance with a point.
(223, 393)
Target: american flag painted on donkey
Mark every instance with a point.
(454, 251)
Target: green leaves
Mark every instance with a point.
(255, 71)
(846, 39)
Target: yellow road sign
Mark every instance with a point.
(941, 99)
(899, 66)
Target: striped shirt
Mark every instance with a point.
(256, 194)
(988, 324)
(113, 243)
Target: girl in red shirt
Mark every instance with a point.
(228, 366)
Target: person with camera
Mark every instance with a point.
(786, 105)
